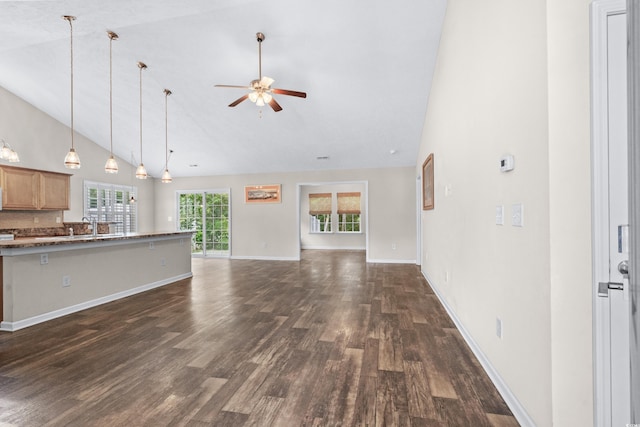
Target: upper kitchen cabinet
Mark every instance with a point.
(30, 189)
(54, 191)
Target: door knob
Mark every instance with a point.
(623, 268)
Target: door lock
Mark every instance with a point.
(623, 268)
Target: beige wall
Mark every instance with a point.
(332, 240)
(570, 211)
(271, 230)
(504, 84)
(42, 142)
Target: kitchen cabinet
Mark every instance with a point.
(31, 189)
(54, 191)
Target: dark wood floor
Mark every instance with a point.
(327, 341)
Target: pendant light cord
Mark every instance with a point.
(70, 19)
(167, 92)
(111, 37)
(142, 67)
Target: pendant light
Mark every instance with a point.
(141, 172)
(166, 176)
(111, 166)
(71, 160)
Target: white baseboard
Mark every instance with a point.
(510, 399)
(392, 261)
(21, 324)
(334, 248)
(265, 258)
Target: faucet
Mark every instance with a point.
(94, 225)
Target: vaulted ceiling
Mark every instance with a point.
(366, 67)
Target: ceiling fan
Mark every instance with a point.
(260, 89)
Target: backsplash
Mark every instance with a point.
(62, 230)
(31, 219)
(42, 223)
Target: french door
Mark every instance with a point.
(208, 214)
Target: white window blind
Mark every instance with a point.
(111, 203)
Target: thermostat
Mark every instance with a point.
(506, 163)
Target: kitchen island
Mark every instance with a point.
(48, 277)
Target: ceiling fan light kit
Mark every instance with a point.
(260, 88)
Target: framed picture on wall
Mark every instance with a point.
(427, 183)
(262, 193)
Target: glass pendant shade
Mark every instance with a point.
(111, 166)
(72, 160)
(166, 176)
(141, 172)
(253, 96)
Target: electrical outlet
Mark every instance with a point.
(181, 242)
(394, 246)
(163, 262)
(169, 219)
(151, 246)
(66, 281)
(498, 327)
(36, 220)
(58, 220)
(44, 259)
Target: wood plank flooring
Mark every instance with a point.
(327, 341)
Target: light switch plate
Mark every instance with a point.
(517, 215)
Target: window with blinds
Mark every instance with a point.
(349, 212)
(320, 213)
(111, 203)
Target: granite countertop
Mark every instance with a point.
(31, 242)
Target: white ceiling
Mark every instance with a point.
(366, 67)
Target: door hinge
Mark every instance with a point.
(603, 288)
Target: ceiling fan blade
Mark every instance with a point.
(289, 92)
(239, 100)
(234, 86)
(274, 104)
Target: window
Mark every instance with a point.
(111, 203)
(320, 213)
(349, 212)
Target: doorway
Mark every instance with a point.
(342, 227)
(610, 207)
(208, 214)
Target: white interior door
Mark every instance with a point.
(611, 245)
